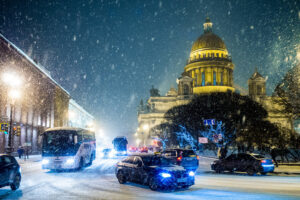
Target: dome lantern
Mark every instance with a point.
(207, 25)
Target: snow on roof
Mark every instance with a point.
(75, 104)
(40, 68)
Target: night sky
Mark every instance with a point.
(108, 54)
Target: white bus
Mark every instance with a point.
(68, 148)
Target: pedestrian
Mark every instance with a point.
(274, 155)
(20, 152)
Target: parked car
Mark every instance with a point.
(10, 172)
(153, 170)
(186, 158)
(244, 162)
(143, 149)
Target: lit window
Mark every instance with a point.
(215, 78)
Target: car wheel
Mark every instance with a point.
(16, 184)
(121, 177)
(185, 186)
(80, 167)
(91, 160)
(153, 184)
(250, 171)
(263, 173)
(219, 169)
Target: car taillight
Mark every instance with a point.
(263, 161)
(179, 158)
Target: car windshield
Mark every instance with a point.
(156, 161)
(60, 142)
(188, 153)
(258, 156)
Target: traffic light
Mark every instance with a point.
(18, 130)
(15, 130)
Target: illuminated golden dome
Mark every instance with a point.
(208, 41)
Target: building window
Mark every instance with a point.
(215, 78)
(212, 55)
(203, 79)
(259, 90)
(196, 80)
(221, 78)
(217, 54)
(185, 89)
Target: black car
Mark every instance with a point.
(244, 162)
(186, 158)
(153, 170)
(10, 172)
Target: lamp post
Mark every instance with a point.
(12, 81)
(13, 94)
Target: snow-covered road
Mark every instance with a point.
(98, 182)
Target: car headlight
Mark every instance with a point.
(70, 161)
(191, 173)
(111, 155)
(124, 152)
(45, 161)
(165, 175)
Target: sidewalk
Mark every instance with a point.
(32, 158)
(282, 169)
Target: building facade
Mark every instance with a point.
(209, 69)
(79, 117)
(42, 103)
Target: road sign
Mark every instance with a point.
(203, 140)
(4, 126)
(209, 122)
(220, 136)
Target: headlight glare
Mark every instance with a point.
(191, 173)
(165, 175)
(45, 161)
(70, 161)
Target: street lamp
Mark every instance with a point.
(13, 81)
(14, 95)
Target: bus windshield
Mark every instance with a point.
(60, 143)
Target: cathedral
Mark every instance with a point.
(209, 69)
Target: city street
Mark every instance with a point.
(99, 182)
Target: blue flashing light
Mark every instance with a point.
(191, 173)
(165, 175)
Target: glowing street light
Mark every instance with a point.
(11, 79)
(13, 83)
(145, 127)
